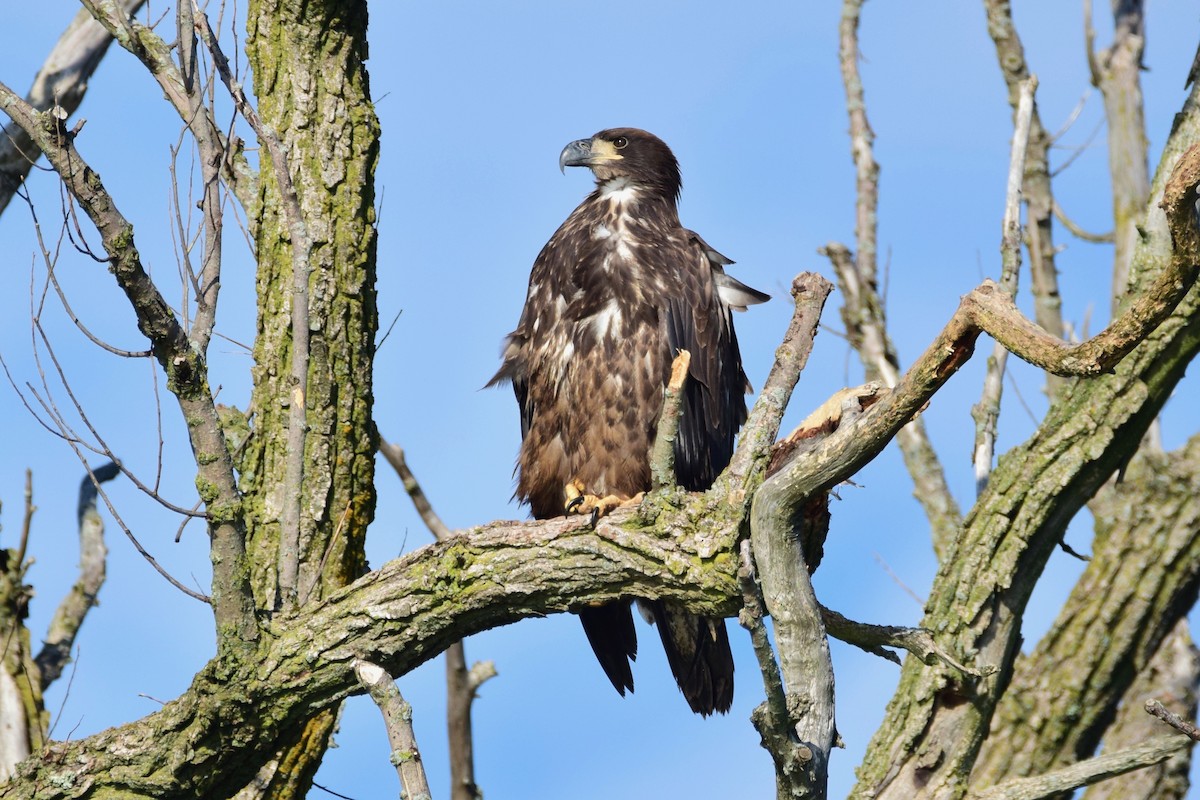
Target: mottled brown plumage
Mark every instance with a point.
(618, 290)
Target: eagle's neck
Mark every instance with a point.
(623, 195)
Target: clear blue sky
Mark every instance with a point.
(476, 100)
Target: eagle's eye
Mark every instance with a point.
(620, 142)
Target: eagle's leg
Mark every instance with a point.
(580, 502)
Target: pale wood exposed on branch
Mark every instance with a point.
(662, 452)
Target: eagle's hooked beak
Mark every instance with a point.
(586, 153)
(577, 154)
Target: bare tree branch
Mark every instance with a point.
(184, 366)
(149, 48)
(395, 456)
(1155, 708)
(862, 306)
(1036, 189)
(62, 81)
(73, 609)
(397, 716)
(987, 412)
(1085, 773)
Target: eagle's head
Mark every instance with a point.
(639, 157)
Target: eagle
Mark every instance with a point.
(615, 294)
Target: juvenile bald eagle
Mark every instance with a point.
(618, 290)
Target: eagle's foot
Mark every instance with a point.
(580, 502)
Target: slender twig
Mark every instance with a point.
(1077, 231)
(397, 716)
(987, 411)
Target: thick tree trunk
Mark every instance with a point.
(310, 77)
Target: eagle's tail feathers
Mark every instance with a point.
(698, 652)
(610, 631)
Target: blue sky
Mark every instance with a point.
(476, 100)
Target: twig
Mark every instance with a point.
(397, 716)
(987, 411)
(662, 452)
(1085, 773)
(873, 638)
(1077, 231)
(1177, 722)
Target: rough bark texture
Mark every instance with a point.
(1140, 583)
